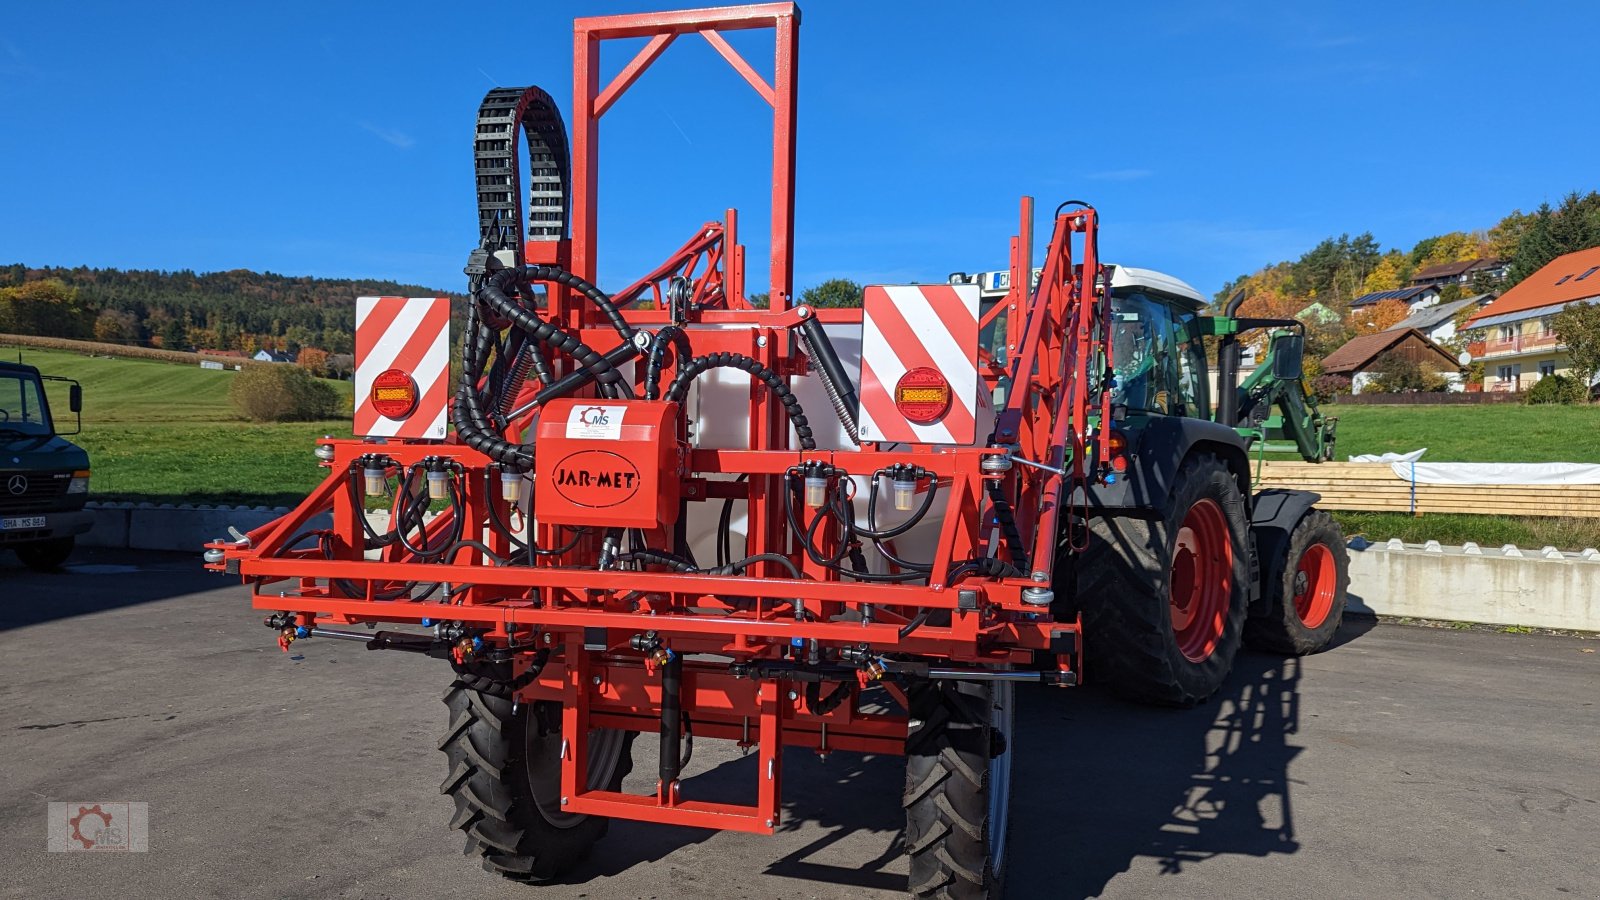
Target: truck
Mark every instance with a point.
(672, 510)
(44, 478)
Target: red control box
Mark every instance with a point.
(607, 464)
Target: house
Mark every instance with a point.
(1438, 322)
(1358, 359)
(1463, 272)
(1416, 297)
(1520, 345)
(273, 356)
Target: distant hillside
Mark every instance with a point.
(235, 310)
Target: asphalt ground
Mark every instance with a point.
(1405, 762)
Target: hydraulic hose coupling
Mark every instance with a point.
(903, 478)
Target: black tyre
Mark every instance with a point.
(45, 556)
(1305, 600)
(505, 778)
(1163, 601)
(958, 788)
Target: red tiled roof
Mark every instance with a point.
(1575, 276)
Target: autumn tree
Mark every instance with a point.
(313, 360)
(116, 326)
(47, 308)
(1386, 275)
(1380, 316)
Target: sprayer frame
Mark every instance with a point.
(588, 619)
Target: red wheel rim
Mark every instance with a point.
(1201, 586)
(1315, 580)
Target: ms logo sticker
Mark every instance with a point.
(595, 423)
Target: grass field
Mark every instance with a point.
(166, 433)
(1490, 433)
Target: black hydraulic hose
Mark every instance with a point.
(660, 558)
(915, 623)
(578, 378)
(658, 351)
(724, 525)
(835, 381)
(986, 566)
(691, 369)
(472, 425)
(748, 561)
(1008, 524)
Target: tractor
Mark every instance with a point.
(671, 510)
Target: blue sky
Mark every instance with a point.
(333, 139)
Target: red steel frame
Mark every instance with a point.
(586, 617)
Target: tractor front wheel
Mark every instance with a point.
(1163, 600)
(505, 779)
(958, 788)
(45, 556)
(1305, 603)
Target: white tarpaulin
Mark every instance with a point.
(1498, 473)
(1409, 467)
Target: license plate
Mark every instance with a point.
(22, 523)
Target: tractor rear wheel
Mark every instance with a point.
(958, 788)
(1305, 603)
(1163, 600)
(505, 778)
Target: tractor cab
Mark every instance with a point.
(1158, 360)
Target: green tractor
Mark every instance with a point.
(1177, 560)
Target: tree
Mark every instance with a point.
(1380, 316)
(47, 308)
(760, 301)
(1457, 246)
(115, 326)
(313, 360)
(1385, 276)
(1579, 328)
(835, 293)
(174, 335)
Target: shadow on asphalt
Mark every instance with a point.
(1098, 782)
(1101, 782)
(98, 580)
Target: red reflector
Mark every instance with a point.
(922, 395)
(394, 394)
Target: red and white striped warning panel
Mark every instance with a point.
(919, 364)
(402, 366)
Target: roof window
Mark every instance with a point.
(1592, 270)
(1564, 279)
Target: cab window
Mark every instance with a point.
(1143, 354)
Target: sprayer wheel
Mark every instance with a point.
(958, 788)
(505, 779)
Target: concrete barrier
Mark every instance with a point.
(1542, 588)
(149, 526)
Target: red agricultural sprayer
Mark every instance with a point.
(669, 510)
